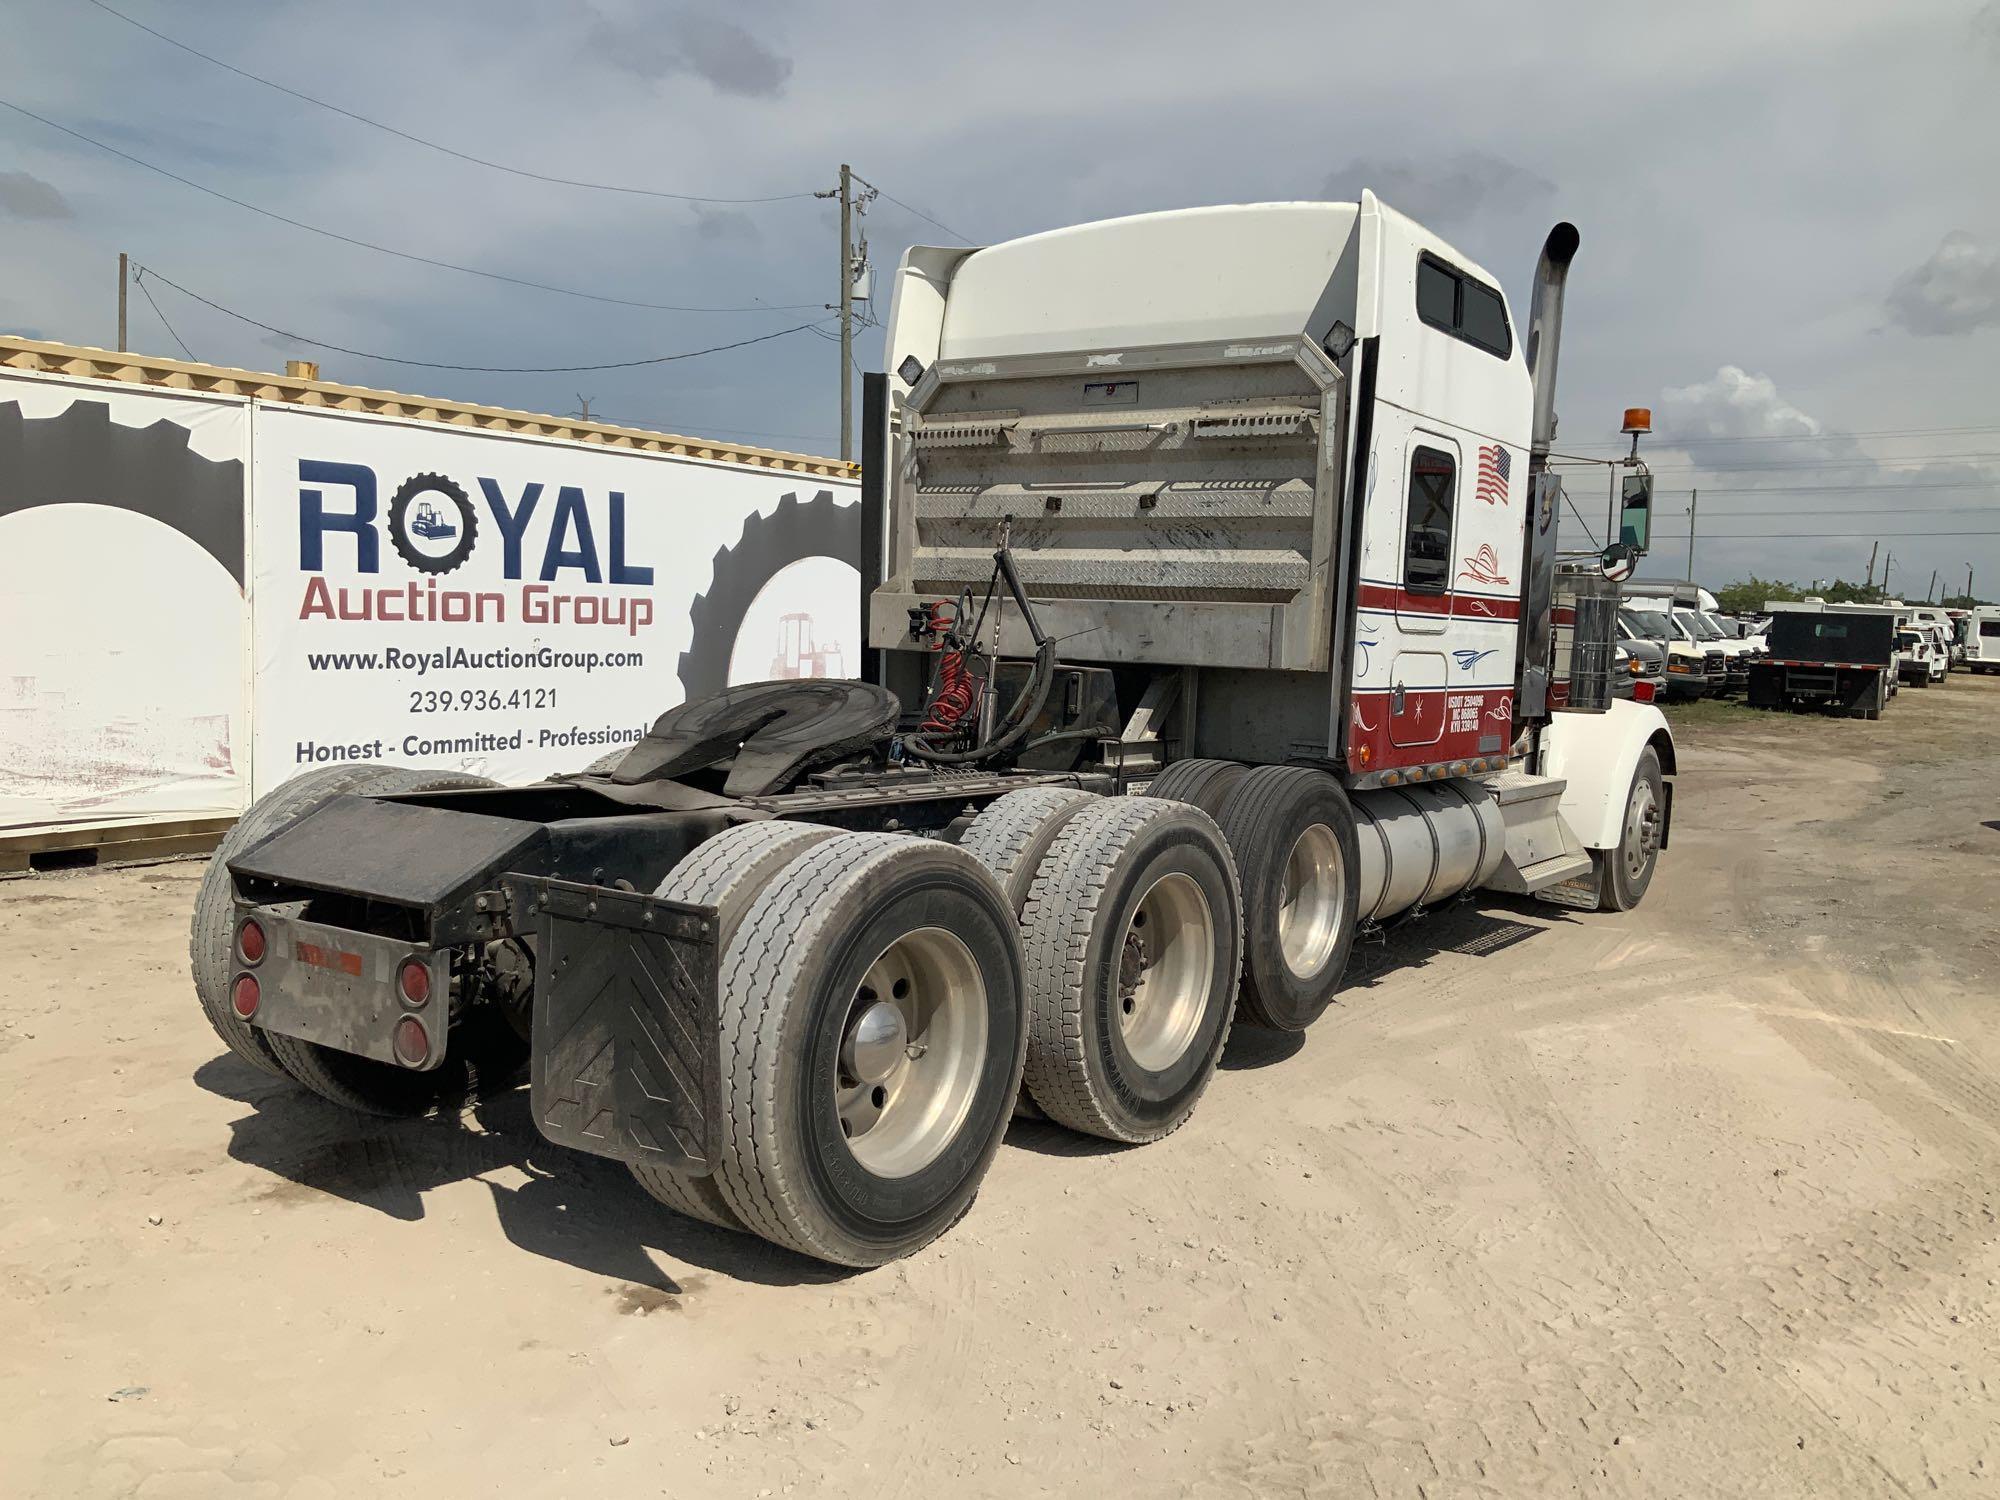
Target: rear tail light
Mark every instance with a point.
(413, 1043)
(250, 941)
(413, 983)
(244, 996)
(1642, 692)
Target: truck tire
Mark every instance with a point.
(1134, 940)
(484, 1050)
(212, 934)
(1291, 831)
(1624, 873)
(728, 873)
(871, 1042)
(1012, 834)
(1205, 784)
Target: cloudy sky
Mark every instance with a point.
(1790, 212)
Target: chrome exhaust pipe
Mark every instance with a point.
(1545, 321)
(1538, 566)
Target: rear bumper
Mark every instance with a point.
(623, 1058)
(338, 987)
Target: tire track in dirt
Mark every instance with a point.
(1672, 1324)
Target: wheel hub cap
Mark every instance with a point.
(1166, 967)
(875, 1043)
(1312, 901)
(1642, 830)
(912, 1050)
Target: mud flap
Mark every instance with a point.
(625, 1060)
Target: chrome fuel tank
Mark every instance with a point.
(1424, 844)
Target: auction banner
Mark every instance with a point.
(518, 607)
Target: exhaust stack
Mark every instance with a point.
(1545, 324)
(1538, 568)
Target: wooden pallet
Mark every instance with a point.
(50, 849)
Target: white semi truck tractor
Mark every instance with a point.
(1212, 615)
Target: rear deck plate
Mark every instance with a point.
(625, 1057)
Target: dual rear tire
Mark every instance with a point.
(871, 1041)
(1292, 834)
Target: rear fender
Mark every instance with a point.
(1596, 754)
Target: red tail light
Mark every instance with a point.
(414, 982)
(250, 941)
(413, 1044)
(1643, 692)
(244, 996)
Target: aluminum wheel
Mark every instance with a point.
(1642, 829)
(1312, 900)
(1166, 964)
(911, 1052)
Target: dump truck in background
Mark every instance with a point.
(1210, 619)
(1832, 658)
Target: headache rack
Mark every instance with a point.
(1195, 475)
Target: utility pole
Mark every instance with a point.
(122, 279)
(1933, 586)
(1877, 547)
(1968, 585)
(1693, 496)
(1888, 562)
(846, 312)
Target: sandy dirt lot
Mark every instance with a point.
(1699, 1201)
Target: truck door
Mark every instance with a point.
(1417, 669)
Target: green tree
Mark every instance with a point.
(1748, 596)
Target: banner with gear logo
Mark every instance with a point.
(515, 606)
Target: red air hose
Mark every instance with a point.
(956, 690)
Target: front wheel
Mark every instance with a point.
(1624, 873)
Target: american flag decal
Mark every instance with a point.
(1496, 469)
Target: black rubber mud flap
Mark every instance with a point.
(624, 1033)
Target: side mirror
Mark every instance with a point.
(1635, 511)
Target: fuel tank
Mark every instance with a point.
(1424, 844)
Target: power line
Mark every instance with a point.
(139, 280)
(424, 260)
(955, 234)
(1853, 489)
(1858, 510)
(1768, 536)
(1800, 437)
(602, 187)
(425, 364)
(1883, 465)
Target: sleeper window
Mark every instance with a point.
(1457, 303)
(1427, 523)
(1437, 295)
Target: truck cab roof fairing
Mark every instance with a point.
(1186, 276)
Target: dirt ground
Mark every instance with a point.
(1695, 1201)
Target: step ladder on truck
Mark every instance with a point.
(1212, 613)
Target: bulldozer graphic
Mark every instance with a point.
(429, 524)
(798, 656)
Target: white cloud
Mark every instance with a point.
(1732, 404)
(1956, 291)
